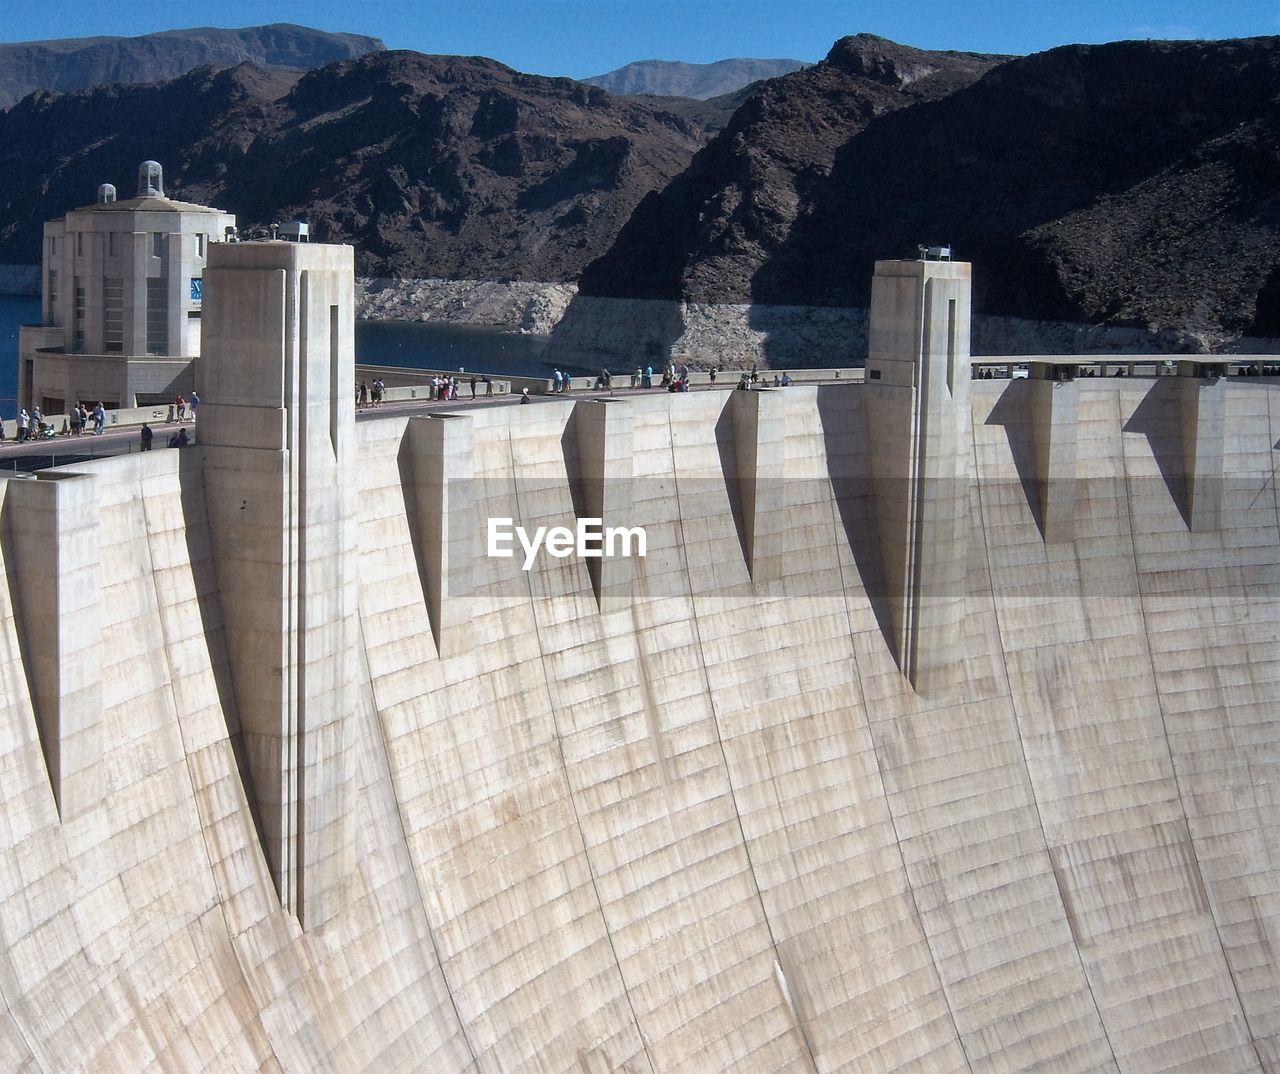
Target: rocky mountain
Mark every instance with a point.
(670, 78)
(706, 236)
(433, 166)
(1131, 184)
(79, 63)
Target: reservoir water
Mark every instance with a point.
(402, 343)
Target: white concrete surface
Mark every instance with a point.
(708, 827)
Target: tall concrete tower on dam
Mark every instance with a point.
(936, 731)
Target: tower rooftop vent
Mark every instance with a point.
(106, 194)
(150, 180)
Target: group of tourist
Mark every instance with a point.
(32, 425)
(443, 388)
(749, 381)
(81, 421)
(675, 378)
(370, 397)
(446, 388)
(178, 440)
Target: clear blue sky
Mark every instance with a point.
(586, 37)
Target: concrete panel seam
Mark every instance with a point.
(724, 760)
(1173, 768)
(191, 779)
(404, 835)
(573, 801)
(837, 530)
(1059, 880)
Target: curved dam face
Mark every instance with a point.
(679, 812)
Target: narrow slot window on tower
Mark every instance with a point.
(157, 315)
(951, 346)
(112, 315)
(78, 345)
(335, 389)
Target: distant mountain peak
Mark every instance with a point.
(701, 81)
(81, 63)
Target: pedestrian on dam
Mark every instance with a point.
(24, 425)
(195, 402)
(712, 374)
(147, 436)
(524, 396)
(75, 419)
(180, 405)
(558, 381)
(568, 381)
(99, 418)
(647, 380)
(473, 385)
(635, 378)
(488, 385)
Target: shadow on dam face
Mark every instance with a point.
(1158, 418)
(842, 416)
(726, 449)
(1012, 412)
(204, 575)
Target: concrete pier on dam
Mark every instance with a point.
(937, 729)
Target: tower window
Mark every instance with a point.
(157, 315)
(112, 315)
(78, 283)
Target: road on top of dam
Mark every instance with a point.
(18, 459)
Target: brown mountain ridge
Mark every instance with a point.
(1133, 184)
(433, 166)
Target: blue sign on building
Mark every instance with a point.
(197, 288)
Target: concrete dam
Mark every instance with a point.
(936, 730)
